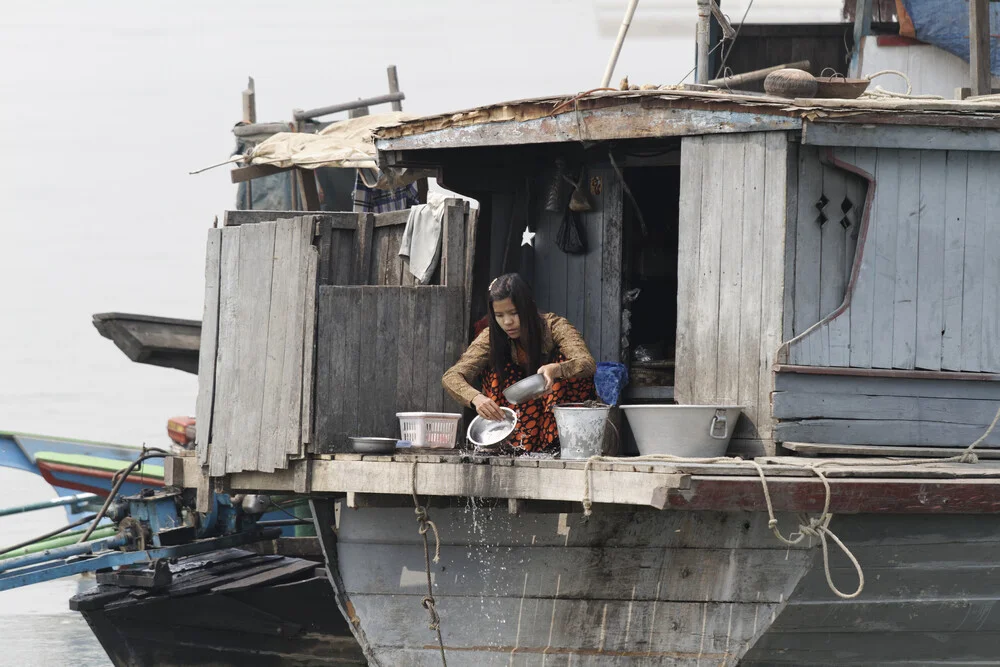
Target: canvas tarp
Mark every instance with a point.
(346, 144)
(945, 24)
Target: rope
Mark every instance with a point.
(881, 93)
(818, 526)
(427, 602)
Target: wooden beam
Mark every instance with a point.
(310, 195)
(464, 480)
(241, 174)
(899, 137)
(309, 114)
(249, 103)
(397, 105)
(862, 28)
(979, 46)
(627, 121)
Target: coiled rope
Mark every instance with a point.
(427, 602)
(818, 526)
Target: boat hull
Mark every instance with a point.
(630, 587)
(223, 611)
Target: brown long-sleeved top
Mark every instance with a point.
(557, 334)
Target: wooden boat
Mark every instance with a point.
(71, 465)
(229, 607)
(158, 341)
(781, 217)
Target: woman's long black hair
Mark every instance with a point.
(512, 286)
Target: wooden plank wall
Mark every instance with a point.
(854, 410)
(730, 300)
(586, 288)
(927, 286)
(382, 350)
(266, 281)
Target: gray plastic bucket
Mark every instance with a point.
(581, 429)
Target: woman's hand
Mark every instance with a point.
(552, 372)
(487, 408)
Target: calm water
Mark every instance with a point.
(105, 108)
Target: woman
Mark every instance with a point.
(520, 342)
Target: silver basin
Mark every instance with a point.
(488, 433)
(525, 390)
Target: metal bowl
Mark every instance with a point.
(525, 390)
(837, 87)
(373, 445)
(484, 433)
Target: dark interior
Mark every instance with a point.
(650, 265)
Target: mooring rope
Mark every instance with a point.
(818, 526)
(428, 603)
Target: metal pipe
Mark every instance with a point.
(757, 74)
(260, 128)
(58, 541)
(622, 31)
(78, 549)
(299, 114)
(46, 504)
(703, 34)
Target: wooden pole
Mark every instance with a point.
(703, 35)
(979, 46)
(249, 103)
(862, 28)
(622, 31)
(758, 74)
(397, 105)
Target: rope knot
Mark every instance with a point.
(428, 603)
(968, 457)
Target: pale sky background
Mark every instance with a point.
(106, 106)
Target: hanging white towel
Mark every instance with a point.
(422, 237)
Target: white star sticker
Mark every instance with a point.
(528, 237)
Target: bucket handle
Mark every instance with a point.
(718, 422)
(618, 437)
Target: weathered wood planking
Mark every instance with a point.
(693, 158)
(833, 268)
(611, 270)
(884, 432)
(751, 287)
(926, 294)
(281, 409)
(310, 261)
(706, 303)
(253, 290)
(208, 343)
(808, 242)
(679, 592)
(382, 350)
(950, 621)
(227, 385)
(789, 405)
(977, 209)
(991, 272)
(267, 272)
(930, 260)
(731, 273)
(585, 288)
(730, 318)
(887, 204)
(956, 187)
(863, 298)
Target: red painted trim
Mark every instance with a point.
(848, 495)
(898, 40)
(97, 474)
(64, 484)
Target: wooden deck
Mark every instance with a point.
(859, 485)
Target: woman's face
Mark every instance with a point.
(507, 318)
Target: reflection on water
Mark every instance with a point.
(38, 626)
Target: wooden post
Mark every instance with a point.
(249, 103)
(862, 27)
(397, 105)
(979, 46)
(703, 35)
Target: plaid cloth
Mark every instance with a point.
(370, 200)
